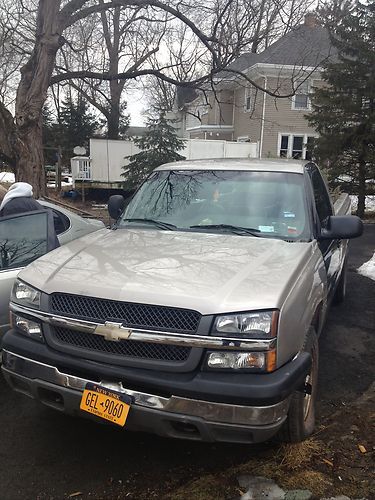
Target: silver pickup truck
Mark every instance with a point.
(198, 314)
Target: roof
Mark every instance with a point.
(304, 45)
(253, 164)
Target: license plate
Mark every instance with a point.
(105, 403)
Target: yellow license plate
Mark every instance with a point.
(105, 403)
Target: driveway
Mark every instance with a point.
(44, 454)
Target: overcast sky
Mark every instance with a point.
(136, 104)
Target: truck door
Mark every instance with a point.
(330, 248)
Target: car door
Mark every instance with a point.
(23, 238)
(330, 248)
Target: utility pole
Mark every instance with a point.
(58, 171)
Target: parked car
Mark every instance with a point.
(68, 226)
(198, 314)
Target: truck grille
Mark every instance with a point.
(148, 317)
(129, 348)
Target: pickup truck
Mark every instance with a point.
(197, 315)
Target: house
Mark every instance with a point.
(242, 112)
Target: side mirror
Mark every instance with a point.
(116, 205)
(342, 227)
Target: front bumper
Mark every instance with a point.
(173, 416)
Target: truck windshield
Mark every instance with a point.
(270, 204)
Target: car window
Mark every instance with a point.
(60, 221)
(322, 202)
(23, 238)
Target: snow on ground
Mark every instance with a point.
(63, 184)
(368, 268)
(7, 177)
(370, 202)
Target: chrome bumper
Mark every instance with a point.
(15, 366)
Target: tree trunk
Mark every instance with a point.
(361, 188)
(30, 161)
(113, 120)
(31, 95)
(7, 137)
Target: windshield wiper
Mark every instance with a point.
(158, 223)
(229, 227)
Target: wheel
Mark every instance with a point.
(300, 422)
(340, 291)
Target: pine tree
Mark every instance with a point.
(344, 109)
(77, 124)
(159, 145)
(73, 127)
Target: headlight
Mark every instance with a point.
(253, 361)
(249, 324)
(25, 294)
(27, 327)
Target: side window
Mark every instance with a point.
(23, 238)
(61, 222)
(322, 201)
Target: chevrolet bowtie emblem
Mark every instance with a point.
(113, 331)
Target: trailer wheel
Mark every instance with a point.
(300, 422)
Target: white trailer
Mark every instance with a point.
(104, 166)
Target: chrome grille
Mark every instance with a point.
(130, 348)
(148, 317)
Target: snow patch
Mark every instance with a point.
(368, 268)
(7, 177)
(370, 202)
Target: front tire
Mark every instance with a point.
(300, 422)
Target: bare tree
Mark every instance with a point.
(217, 29)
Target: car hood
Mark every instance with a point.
(210, 273)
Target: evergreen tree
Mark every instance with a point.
(74, 126)
(159, 145)
(50, 136)
(77, 123)
(344, 109)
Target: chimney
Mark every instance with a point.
(311, 20)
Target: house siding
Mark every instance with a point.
(281, 118)
(279, 115)
(248, 123)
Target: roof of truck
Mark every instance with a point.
(253, 164)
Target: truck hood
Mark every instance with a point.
(211, 273)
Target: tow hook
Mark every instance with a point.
(307, 389)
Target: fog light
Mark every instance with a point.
(237, 360)
(31, 328)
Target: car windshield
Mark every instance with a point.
(243, 202)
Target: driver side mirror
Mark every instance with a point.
(342, 227)
(116, 205)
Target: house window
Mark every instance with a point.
(248, 99)
(301, 98)
(283, 153)
(296, 146)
